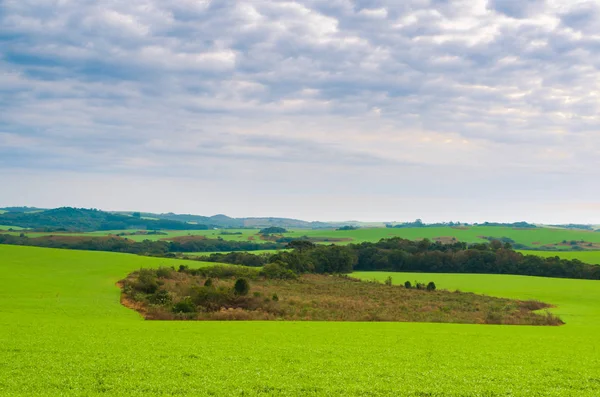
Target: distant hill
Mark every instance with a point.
(224, 221)
(85, 220)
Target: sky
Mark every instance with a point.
(373, 110)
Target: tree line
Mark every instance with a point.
(146, 247)
(393, 254)
(401, 255)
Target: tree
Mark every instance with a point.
(300, 245)
(273, 230)
(241, 287)
(496, 244)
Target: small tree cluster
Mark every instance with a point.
(429, 287)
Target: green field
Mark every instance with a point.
(529, 237)
(4, 227)
(592, 257)
(63, 332)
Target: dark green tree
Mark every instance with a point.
(241, 287)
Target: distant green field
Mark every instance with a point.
(5, 227)
(534, 238)
(63, 332)
(592, 257)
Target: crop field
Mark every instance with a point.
(64, 332)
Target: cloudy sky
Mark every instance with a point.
(467, 110)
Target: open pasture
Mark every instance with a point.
(535, 238)
(5, 227)
(592, 257)
(64, 332)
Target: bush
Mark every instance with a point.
(241, 287)
(278, 270)
(146, 282)
(407, 285)
(208, 283)
(275, 297)
(388, 281)
(226, 272)
(164, 272)
(160, 297)
(419, 285)
(184, 306)
(212, 299)
(431, 286)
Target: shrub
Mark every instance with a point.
(183, 268)
(278, 270)
(212, 299)
(164, 272)
(431, 286)
(388, 281)
(275, 297)
(241, 287)
(160, 297)
(184, 306)
(419, 285)
(407, 285)
(208, 283)
(146, 282)
(227, 272)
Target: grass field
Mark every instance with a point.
(4, 227)
(592, 257)
(529, 237)
(63, 332)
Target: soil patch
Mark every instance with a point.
(446, 239)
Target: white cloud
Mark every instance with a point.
(414, 90)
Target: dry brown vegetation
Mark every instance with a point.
(276, 237)
(181, 295)
(574, 245)
(184, 239)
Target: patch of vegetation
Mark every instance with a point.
(236, 293)
(419, 223)
(273, 230)
(345, 228)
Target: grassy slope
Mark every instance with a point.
(63, 331)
